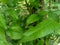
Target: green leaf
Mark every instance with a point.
(53, 16)
(13, 14)
(58, 32)
(42, 13)
(34, 3)
(2, 38)
(10, 3)
(40, 42)
(57, 12)
(47, 41)
(3, 1)
(15, 32)
(31, 1)
(2, 21)
(28, 43)
(33, 18)
(43, 29)
(14, 35)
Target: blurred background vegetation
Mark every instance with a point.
(29, 22)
